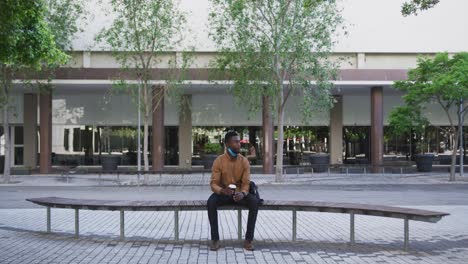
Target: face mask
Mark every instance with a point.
(232, 153)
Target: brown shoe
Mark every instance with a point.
(215, 245)
(248, 245)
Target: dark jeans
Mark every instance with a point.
(216, 200)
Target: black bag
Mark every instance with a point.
(253, 189)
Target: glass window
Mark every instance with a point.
(76, 139)
(19, 155)
(18, 135)
(66, 134)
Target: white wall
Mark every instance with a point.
(220, 110)
(96, 109)
(356, 110)
(15, 110)
(373, 25)
(207, 110)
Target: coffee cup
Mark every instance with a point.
(232, 187)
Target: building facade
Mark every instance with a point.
(83, 118)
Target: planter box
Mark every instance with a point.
(362, 160)
(447, 159)
(424, 162)
(196, 161)
(208, 160)
(319, 161)
(294, 158)
(109, 162)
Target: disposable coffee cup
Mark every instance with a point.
(232, 187)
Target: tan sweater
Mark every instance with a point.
(227, 170)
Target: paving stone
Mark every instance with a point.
(149, 238)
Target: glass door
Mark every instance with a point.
(18, 145)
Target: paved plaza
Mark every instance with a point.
(321, 238)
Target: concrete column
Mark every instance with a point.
(376, 129)
(336, 132)
(185, 133)
(30, 130)
(45, 158)
(268, 140)
(158, 150)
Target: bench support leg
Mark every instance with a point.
(239, 224)
(77, 223)
(122, 225)
(351, 228)
(294, 225)
(176, 225)
(406, 242)
(48, 220)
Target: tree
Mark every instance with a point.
(141, 34)
(273, 48)
(414, 6)
(26, 42)
(442, 80)
(408, 120)
(65, 18)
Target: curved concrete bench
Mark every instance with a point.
(294, 206)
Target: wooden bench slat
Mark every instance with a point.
(366, 209)
(186, 205)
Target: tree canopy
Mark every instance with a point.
(26, 42)
(413, 7)
(25, 38)
(275, 49)
(442, 80)
(141, 37)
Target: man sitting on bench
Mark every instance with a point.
(231, 168)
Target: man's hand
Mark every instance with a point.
(227, 191)
(238, 196)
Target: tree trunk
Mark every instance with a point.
(279, 143)
(268, 152)
(461, 117)
(145, 148)
(145, 130)
(454, 155)
(6, 136)
(6, 131)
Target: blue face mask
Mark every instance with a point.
(232, 153)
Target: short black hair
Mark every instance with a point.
(229, 135)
